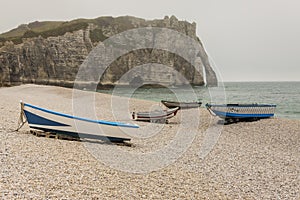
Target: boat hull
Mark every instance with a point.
(242, 111)
(155, 115)
(51, 121)
(181, 105)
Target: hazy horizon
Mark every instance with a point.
(249, 41)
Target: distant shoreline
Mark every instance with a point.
(282, 111)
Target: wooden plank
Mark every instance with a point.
(53, 135)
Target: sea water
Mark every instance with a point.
(286, 95)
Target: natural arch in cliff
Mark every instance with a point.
(125, 74)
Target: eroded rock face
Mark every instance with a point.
(56, 60)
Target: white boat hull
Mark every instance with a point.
(51, 121)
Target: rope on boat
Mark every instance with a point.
(22, 119)
(210, 111)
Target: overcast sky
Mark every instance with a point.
(249, 40)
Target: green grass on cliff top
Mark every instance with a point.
(47, 26)
(44, 29)
(57, 28)
(34, 26)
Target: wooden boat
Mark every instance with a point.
(51, 121)
(181, 105)
(242, 111)
(156, 115)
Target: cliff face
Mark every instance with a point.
(54, 56)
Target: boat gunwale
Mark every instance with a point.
(182, 102)
(120, 124)
(241, 105)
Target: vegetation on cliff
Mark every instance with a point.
(47, 29)
(44, 29)
(52, 52)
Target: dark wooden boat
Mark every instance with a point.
(156, 115)
(181, 105)
(242, 111)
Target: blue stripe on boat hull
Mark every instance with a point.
(82, 135)
(83, 119)
(235, 115)
(38, 120)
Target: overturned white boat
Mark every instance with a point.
(51, 121)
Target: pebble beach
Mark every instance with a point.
(250, 160)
